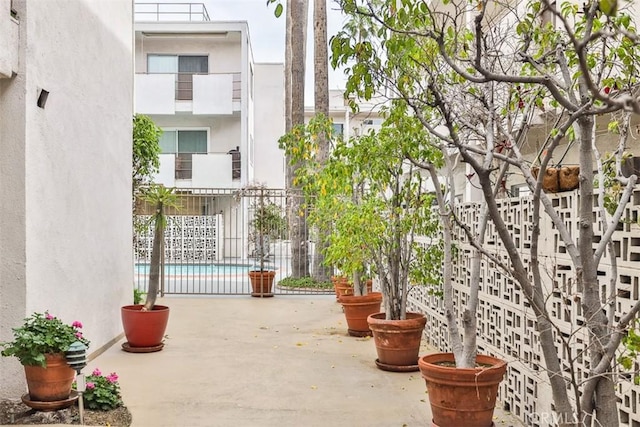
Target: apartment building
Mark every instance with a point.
(221, 112)
(66, 92)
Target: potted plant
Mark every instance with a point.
(145, 324)
(40, 344)
(382, 225)
(266, 225)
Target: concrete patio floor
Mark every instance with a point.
(283, 361)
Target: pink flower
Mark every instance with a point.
(48, 316)
(79, 335)
(77, 324)
(112, 378)
(96, 372)
(91, 385)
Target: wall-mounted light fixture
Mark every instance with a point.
(42, 98)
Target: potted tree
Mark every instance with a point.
(392, 210)
(266, 226)
(145, 324)
(40, 344)
(481, 107)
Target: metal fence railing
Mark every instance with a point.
(216, 237)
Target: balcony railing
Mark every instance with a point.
(168, 12)
(200, 169)
(199, 93)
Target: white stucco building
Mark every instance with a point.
(66, 90)
(221, 112)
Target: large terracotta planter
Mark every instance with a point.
(462, 397)
(357, 309)
(262, 283)
(397, 341)
(52, 383)
(144, 329)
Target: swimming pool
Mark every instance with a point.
(198, 269)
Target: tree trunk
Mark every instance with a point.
(156, 261)
(321, 272)
(297, 213)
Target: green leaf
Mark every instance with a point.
(278, 10)
(608, 7)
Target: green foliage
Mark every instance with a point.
(41, 334)
(162, 198)
(102, 392)
(304, 282)
(279, 7)
(269, 220)
(146, 149)
(372, 199)
(137, 295)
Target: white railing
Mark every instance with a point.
(170, 12)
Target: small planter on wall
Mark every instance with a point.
(556, 180)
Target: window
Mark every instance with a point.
(183, 66)
(184, 144)
(338, 130)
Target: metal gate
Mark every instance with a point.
(216, 237)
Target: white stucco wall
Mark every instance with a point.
(70, 230)
(269, 163)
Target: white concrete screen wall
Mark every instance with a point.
(65, 220)
(507, 324)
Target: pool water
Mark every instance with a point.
(197, 269)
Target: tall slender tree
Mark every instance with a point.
(321, 272)
(296, 53)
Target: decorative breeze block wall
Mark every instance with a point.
(188, 239)
(506, 323)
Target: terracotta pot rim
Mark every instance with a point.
(137, 307)
(360, 299)
(431, 371)
(256, 272)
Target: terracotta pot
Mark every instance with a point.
(462, 397)
(144, 328)
(52, 383)
(335, 280)
(344, 287)
(397, 341)
(565, 178)
(262, 283)
(356, 311)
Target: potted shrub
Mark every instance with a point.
(393, 209)
(145, 324)
(40, 344)
(266, 225)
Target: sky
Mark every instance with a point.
(267, 33)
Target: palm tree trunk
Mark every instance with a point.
(297, 214)
(321, 272)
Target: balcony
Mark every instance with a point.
(196, 93)
(213, 170)
(171, 12)
(9, 29)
